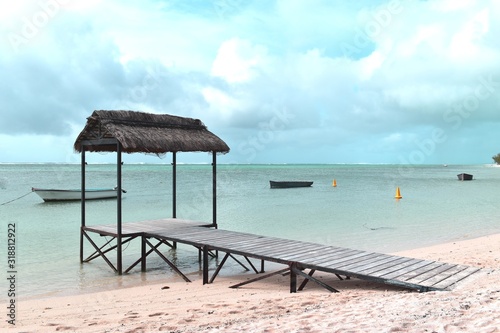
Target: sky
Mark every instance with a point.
(280, 81)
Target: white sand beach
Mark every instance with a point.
(267, 306)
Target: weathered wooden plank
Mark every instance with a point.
(224, 238)
(370, 260)
(419, 271)
(182, 232)
(294, 255)
(322, 253)
(423, 277)
(454, 279)
(241, 244)
(110, 232)
(262, 250)
(363, 266)
(318, 254)
(201, 236)
(152, 225)
(336, 261)
(249, 250)
(290, 251)
(187, 232)
(358, 260)
(252, 255)
(448, 274)
(246, 245)
(408, 272)
(406, 269)
(164, 232)
(276, 247)
(250, 237)
(230, 235)
(383, 267)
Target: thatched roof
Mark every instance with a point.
(141, 132)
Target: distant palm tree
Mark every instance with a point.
(496, 158)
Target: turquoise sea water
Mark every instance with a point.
(360, 212)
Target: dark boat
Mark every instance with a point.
(464, 176)
(289, 184)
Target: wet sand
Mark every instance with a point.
(267, 306)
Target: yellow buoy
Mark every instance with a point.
(398, 194)
(334, 184)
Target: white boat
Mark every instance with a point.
(76, 194)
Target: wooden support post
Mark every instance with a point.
(119, 208)
(143, 253)
(251, 265)
(262, 266)
(239, 262)
(205, 264)
(174, 190)
(214, 193)
(306, 280)
(293, 278)
(96, 254)
(174, 185)
(261, 277)
(82, 186)
(165, 259)
(217, 270)
(214, 189)
(308, 277)
(100, 252)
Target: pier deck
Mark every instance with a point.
(298, 256)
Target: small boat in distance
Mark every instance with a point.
(464, 176)
(289, 184)
(76, 194)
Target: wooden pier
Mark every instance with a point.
(139, 132)
(298, 256)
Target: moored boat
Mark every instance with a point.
(289, 184)
(76, 194)
(464, 176)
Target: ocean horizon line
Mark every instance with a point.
(243, 164)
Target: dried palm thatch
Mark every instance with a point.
(141, 132)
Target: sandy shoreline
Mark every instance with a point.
(267, 306)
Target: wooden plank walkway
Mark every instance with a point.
(421, 275)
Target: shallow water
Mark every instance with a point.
(360, 212)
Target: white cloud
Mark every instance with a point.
(220, 102)
(451, 5)
(238, 60)
(466, 43)
(349, 73)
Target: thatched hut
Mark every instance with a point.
(140, 132)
